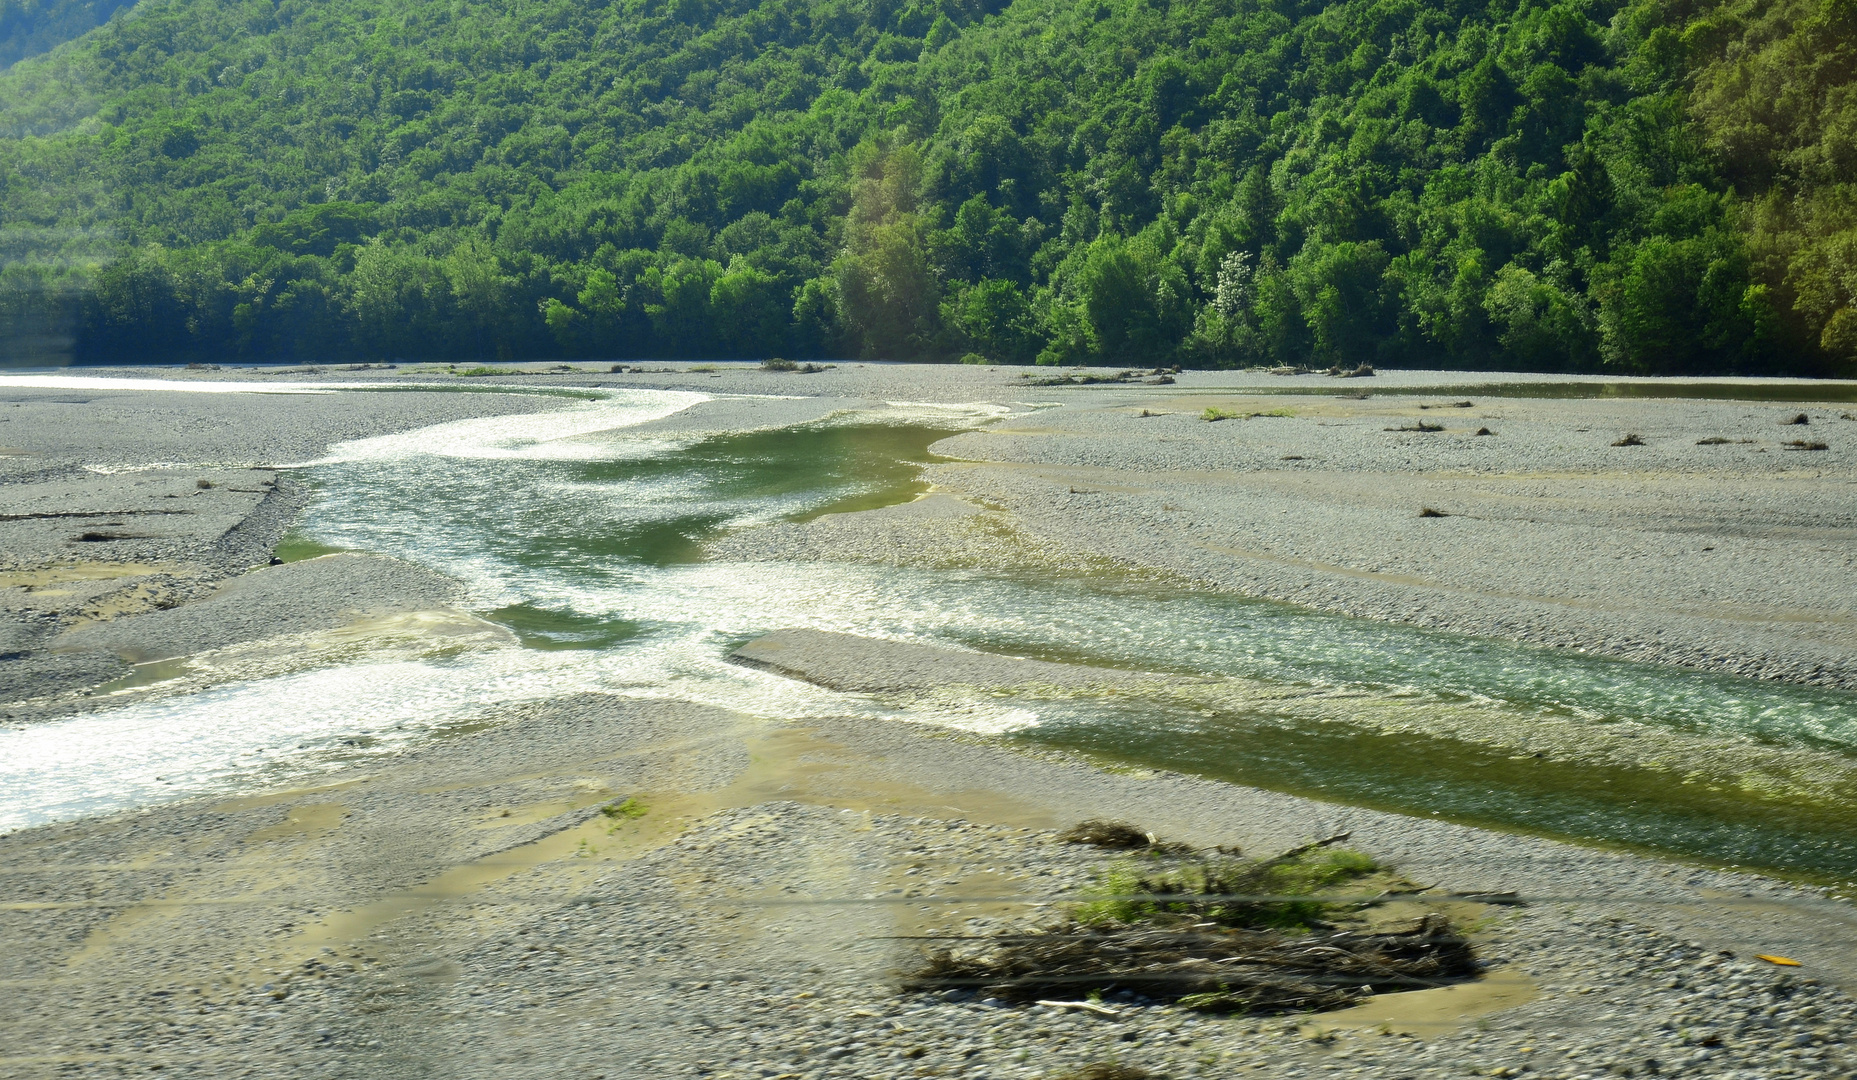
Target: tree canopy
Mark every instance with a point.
(1654, 186)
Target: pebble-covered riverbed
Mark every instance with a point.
(710, 957)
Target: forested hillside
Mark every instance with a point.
(1663, 186)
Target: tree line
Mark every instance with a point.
(1649, 186)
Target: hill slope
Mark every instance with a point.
(1575, 186)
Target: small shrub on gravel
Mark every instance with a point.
(1630, 440)
(1426, 511)
(1799, 418)
(1422, 425)
(1484, 431)
(1213, 416)
(1713, 440)
(775, 363)
(1801, 444)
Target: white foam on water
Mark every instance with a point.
(558, 435)
(219, 739)
(265, 731)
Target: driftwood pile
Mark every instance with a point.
(1205, 966)
(1219, 934)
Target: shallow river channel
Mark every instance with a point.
(582, 533)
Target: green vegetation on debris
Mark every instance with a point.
(1658, 186)
(1227, 891)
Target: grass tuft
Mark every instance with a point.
(1426, 511)
(630, 808)
(1203, 889)
(1630, 440)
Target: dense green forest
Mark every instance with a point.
(1658, 186)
